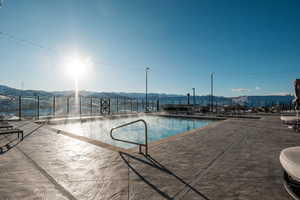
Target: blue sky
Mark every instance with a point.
(253, 47)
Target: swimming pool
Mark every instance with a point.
(158, 128)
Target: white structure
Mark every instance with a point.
(290, 157)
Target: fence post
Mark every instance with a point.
(157, 105)
(124, 102)
(91, 111)
(100, 106)
(117, 105)
(80, 105)
(109, 106)
(38, 107)
(152, 105)
(20, 108)
(68, 105)
(53, 107)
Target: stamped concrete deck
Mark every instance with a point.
(232, 159)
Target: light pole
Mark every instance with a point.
(212, 90)
(147, 69)
(194, 100)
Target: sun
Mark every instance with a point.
(77, 67)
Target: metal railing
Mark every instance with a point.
(38, 107)
(130, 142)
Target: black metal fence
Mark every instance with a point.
(257, 104)
(19, 107)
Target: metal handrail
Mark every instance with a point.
(140, 144)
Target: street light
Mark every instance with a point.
(212, 90)
(147, 69)
(194, 100)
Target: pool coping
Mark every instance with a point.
(150, 144)
(85, 118)
(203, 117)
(185, 133)
(89, 140)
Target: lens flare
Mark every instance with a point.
(76, 68)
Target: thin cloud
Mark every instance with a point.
(240, 90)
(258, 88)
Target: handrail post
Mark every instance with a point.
(130, 142)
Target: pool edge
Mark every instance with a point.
(135, 149)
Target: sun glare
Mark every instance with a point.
(77, 67)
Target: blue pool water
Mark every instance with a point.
(158, 128)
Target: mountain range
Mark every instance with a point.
(6, 92)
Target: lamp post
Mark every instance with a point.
(147, 69)
(194, 100)
(212, 91)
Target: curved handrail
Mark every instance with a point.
(140, 144)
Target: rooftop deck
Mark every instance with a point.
(232, 159)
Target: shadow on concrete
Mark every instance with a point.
(149, 160)
(14, 142)
(9, 144)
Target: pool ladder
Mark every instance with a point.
(130, 142)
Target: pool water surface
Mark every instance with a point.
(158, 128)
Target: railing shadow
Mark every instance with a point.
(14, 142)
(155, 164)
(9, 145)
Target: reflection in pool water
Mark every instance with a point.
(158, 128)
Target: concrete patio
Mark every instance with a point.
(232, 159)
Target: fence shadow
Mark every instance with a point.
(150, 161)
(4, 148)
(9, 144)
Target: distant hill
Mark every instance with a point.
(6, 91)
